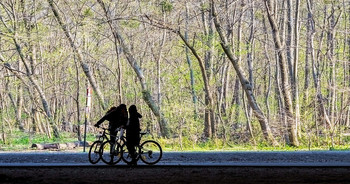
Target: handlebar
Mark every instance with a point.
(103, 128)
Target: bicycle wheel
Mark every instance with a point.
(110, 152)
(126, 157)
(150, 152)
(94, 152)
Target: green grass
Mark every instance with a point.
(19, 141)
(219, 145)
(23, 141)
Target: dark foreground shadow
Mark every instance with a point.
(175, 174)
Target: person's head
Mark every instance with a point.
(132, 109)
(123, 109)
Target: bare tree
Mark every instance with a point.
(244, 82)
(133, 63)
(271, 13)
(33, 81)
(79, 54)
(189, 61)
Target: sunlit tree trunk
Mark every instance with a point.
(271, 12)
(163, 124)
(79, 54)
(238, 50)
(189, 62)
(250, 58)
(322, 113)
(210, 106)
(210, 122)
(244, 82)
(33, 81)
(295, 69)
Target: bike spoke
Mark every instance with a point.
(151, 152)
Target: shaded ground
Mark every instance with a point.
(181, 167)
(337, 158)
(174, 174)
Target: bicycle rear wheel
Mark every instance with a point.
(150, 152)
(126, 156)
(110, 152)
(94, 152)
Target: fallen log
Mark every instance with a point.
(59, 146)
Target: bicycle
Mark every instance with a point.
(110, 152)
(150, 152)
(94, 152)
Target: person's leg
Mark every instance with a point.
(134, 155)
(131, 149)
(135, 144)
(112, 137)
(121, 132)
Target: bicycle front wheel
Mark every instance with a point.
(150, 152)
(110, 152)
(94, 152)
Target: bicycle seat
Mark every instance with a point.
(143, 133)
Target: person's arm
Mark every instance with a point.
(139, 115)
(100, 121)
(105, 117)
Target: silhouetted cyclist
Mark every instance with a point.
(133, 132)
(117, 117)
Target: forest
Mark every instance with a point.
(254, 73)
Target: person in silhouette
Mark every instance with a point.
(133, 133)
(117, 117)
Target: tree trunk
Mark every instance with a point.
(36, 86)
(244, 82)
(19, 104)
(289, 39)
(208, 95)
(158, 58)
(307, 63)
(284, 74)
(2, 133)
(14, 103)
(79, 55)
(323, 116)
(77, 101)
(209, 124)
(237, 88)
(189, 62)
(295, 69)
(31, 79)
(163, 124)
(250, 58)
(330, 56)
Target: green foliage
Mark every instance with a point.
(22, 141)
(166, 5)
(88, 13)
(54, 69)
(133, 24)
(205, 6)
(328, 2)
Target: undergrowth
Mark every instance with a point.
(19, 141)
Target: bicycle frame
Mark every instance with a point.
(104, 135)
